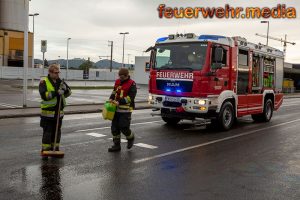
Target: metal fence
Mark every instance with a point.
(37, 73)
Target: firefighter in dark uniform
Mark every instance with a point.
(52, 90)
(123, 96)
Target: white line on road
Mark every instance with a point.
(143, 145)
(108, 127)
(211, 142)
(148, 146)
(122, 140)
(98, 135)
(9, 105)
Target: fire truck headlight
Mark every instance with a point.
(200, 102)
(151, 98)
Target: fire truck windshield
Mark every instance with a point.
(180, 56)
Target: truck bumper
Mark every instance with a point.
(185, 107)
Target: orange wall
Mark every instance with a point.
(14, 41)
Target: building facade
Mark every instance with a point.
(12, 24)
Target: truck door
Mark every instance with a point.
(220, 81)
(243, 81)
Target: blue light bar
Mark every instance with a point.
(178, 91)
(168, 90)
(210, 37)
(162, 39)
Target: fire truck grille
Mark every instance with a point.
(171, 104)
(174, 85)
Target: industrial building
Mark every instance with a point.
(12, 34)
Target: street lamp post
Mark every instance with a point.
(67, 58)
(123, 65)
(32, 67)
(263, 22)
(25, 54)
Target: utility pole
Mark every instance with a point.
(123, 46)
(33, 15)
(263, 22)
(25, 54)
(111, 54)
(285, 42)
(2, 64)
(67, 58)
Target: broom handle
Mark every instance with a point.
(57, 121)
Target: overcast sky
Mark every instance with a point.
(91, 23)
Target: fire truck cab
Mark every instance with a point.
(214, 77)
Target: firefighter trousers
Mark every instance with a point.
(121, 124)
(49, 128)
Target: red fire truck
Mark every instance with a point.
(214, 77)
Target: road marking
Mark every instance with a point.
(9, 105)
(143, 145)
(98, 135)
(148, 146)
(211, 142)
(122, 140)
(108, 127)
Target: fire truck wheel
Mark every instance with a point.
(171, 121)
(268, 110)
(267, 114)
(226, 116)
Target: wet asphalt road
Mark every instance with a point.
(252, 161)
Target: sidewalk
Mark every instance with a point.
(291, 95)
(72, 109)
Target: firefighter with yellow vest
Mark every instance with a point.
(123, 96)
(52, 89)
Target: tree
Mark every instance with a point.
(86, 65)
(46, 63)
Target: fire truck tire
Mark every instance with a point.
(267, 114)
(226, 116)
(171, 121)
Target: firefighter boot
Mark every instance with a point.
(116, 147)
(130, 142)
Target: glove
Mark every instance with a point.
(64, 87)
(116, 103)
(60, 92)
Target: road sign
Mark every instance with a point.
(43, 46)
(86, 73)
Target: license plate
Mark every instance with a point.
(173, 99)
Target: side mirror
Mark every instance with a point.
(218, 55)
(218, 58)
(150, 49)
(147, 66)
